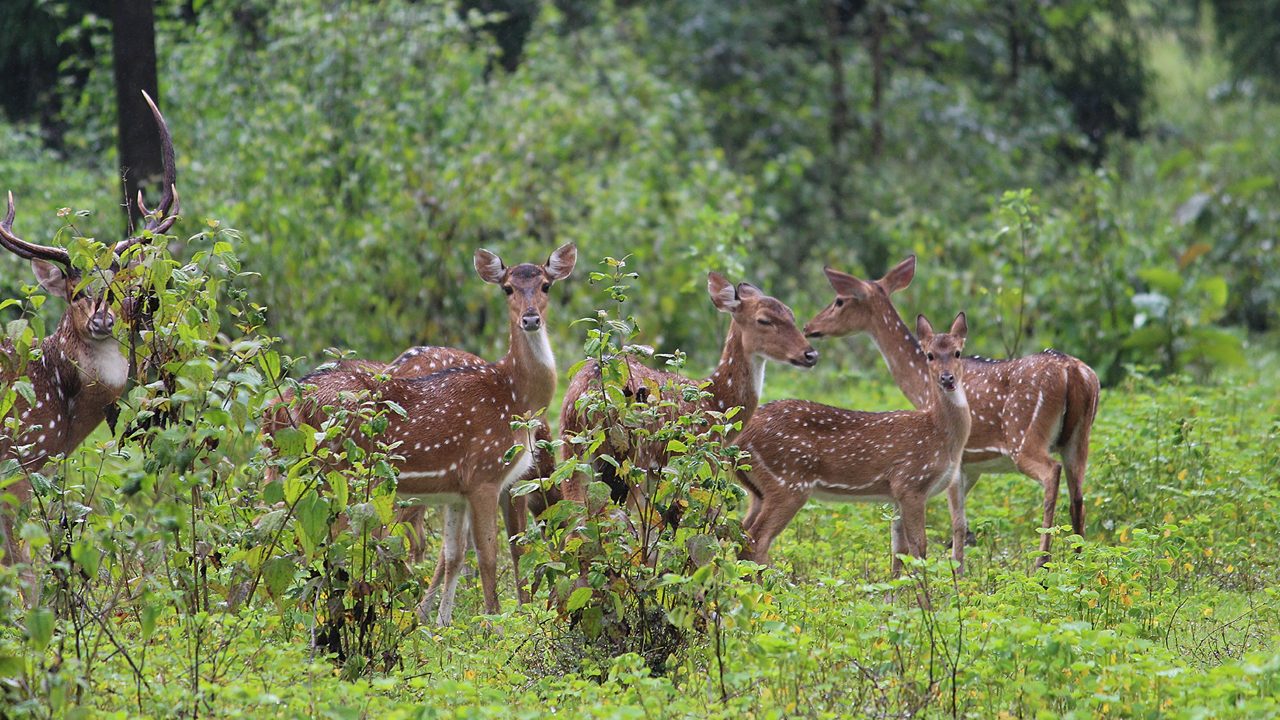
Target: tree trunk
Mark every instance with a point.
(838, 126)
(133, 49)
(879, 22)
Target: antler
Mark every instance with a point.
(24, 249)
(166, 213)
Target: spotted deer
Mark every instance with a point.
(425, 360)
(457, 425)
(801, 449)
(1024, 409)
(761, 328)
(80, 372)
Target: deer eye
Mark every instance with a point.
(839, 302)
(546, 287)
(957, 353)
(508, 289)
(929, 356)
(764, 321)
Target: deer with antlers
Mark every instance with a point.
(458, 421)
(761, 328)
(801, 449)
(1024, 409)
(80, 372)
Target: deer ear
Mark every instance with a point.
(561, 262)
(489, 266)
(747, 291)
(723, 295)
(924, 330)
(960, 326)
(846, 284)
(52, 279)
(900, 276)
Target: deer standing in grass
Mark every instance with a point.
(81, 371)
(1023, 409)
(801, 449)
(425, 360)
(458, 423)
(761, 328)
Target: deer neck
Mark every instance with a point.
(950, 412)
(904, 356)
(100, 367)
(531, 366)
(739, 378)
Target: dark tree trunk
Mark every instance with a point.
(879, 27)
(1015, 43)
(839, 121)
(133, 49)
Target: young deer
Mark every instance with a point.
(81, 371)
(458, 424)
(761, 328)
(800, 449)
(425, 360)
(1023, 408)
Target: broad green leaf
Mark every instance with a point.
(1161, 279)
(578, 599)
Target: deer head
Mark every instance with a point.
(943, 353)
(859, 303)
(527, 284)
(766, 326)
(89, 318)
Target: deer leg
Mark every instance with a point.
(1049, 472)
(959, 522)
(515, 516)
(413, 517)
(484, 532)
(453, 549)
(969, 479)
(897, 545)
(1075, 457)
(771, 519)
(753, 511)
(911, 509)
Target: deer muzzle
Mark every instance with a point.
(531, 321)
(809, 359)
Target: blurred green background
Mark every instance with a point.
(1094, 175)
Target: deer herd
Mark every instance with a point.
(453, 441)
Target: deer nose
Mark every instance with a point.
(811, 357)
(531, 321)
(101, 324)
(948, 380)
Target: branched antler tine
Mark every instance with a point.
(162, 224)
(142, 205)
(165, 213)
(24, 249)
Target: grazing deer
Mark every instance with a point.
(801, 449)
(761, 328)
(426, 360)
(1023, 408)
(458, 423)
(80, 372)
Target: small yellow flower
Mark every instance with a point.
(1207, 612)
(1182, 475)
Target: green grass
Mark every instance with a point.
(1169, 610)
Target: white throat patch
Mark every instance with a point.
(540, 347)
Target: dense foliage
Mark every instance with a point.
(1092, 174)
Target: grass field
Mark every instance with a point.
(1168, 610)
